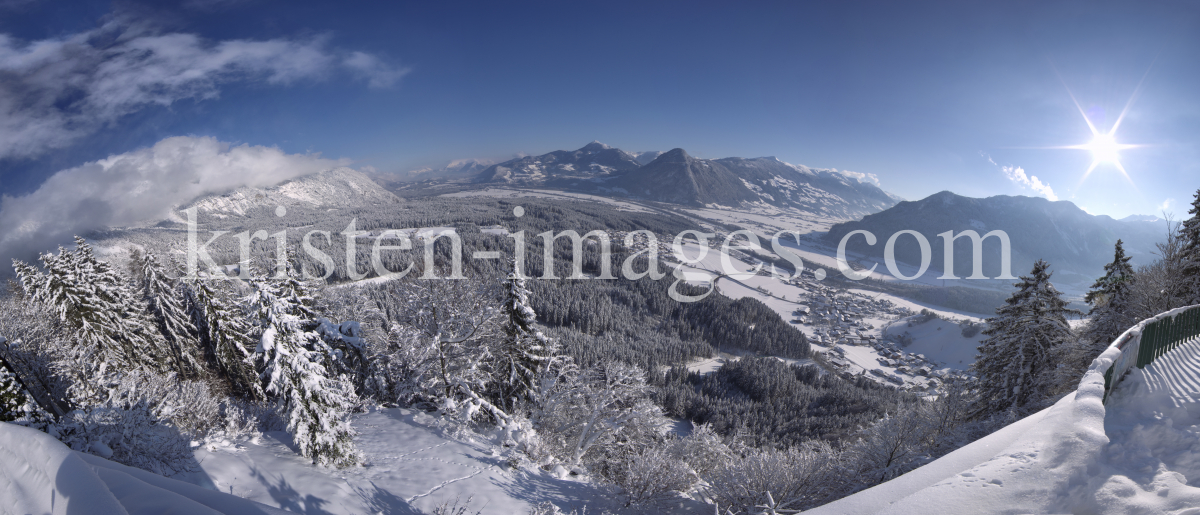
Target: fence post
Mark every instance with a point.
(1146, 343)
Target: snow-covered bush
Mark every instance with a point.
(548, 508)
(647, 476)
(796, 478)
(703, 450)
(440, 347)
(891, 446)
(969, 328)
(597, 408)
(130, 434)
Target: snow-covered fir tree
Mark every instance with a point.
(225, 336)
(165, 304)
(110, 323)
(1109, 298)
(315, 400)
(14, 401)
(1014, 358)
(522, 350)
(1190, 252)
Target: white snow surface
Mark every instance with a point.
(1138, 454)
(42, 475)
(414, 463)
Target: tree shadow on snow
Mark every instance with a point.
(378, 500)
(567, 495)
(288, 497)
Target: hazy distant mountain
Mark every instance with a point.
(1077, 245)
(644, 158)
(339, 188)
(458, 169)
(1141, 218)
(679, 178)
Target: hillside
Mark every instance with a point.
(1075, 243)
(340, 188)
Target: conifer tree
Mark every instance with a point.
(14, 400)
(1109, 299)
(1014, 359)
(523, 350)
(1190, 232)
(90, 297)
(225, 337)
(165, 305)
(294, 370)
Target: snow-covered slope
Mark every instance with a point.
(1135, 455)
(337, 188)
(41, 475)
(415, 463)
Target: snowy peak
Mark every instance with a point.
(677, 177)
(675, 155)
(594, 160)
(594, 146)
(334, 189)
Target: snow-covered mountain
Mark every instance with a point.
(594, 160)
(679, 178)
(337, 188)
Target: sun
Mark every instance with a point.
(1104, 149)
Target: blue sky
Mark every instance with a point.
(928, 97)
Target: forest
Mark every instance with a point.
(129, 360)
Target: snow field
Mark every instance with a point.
(411, 466)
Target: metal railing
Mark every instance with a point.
(1141, 344)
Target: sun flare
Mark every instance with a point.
(1104, 149)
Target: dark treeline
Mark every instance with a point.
(767, 402)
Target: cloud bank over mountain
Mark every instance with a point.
(141, 185)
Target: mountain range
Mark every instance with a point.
(1076, 244)
(679, 178)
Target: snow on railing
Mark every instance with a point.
(1149, 339)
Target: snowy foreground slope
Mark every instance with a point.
(412, 466)
(42, 475)
(1135, 455)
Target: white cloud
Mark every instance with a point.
(141, 185)
(861, 177)
(1017, 175)
(1166, 205)
(54, 91)
(377, 74)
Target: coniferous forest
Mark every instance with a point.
(129, 361)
